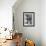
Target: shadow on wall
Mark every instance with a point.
(28, 6)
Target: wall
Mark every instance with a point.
(33, 33)
(6, 13)
(43, 22)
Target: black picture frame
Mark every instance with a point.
(28, 19)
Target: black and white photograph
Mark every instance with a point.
(29, 19)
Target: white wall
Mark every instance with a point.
(33, 33)
(43, 22)
(6, 13)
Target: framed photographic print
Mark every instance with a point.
(29, 19)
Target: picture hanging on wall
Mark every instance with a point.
(28, 19)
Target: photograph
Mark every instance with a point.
(29, 19)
